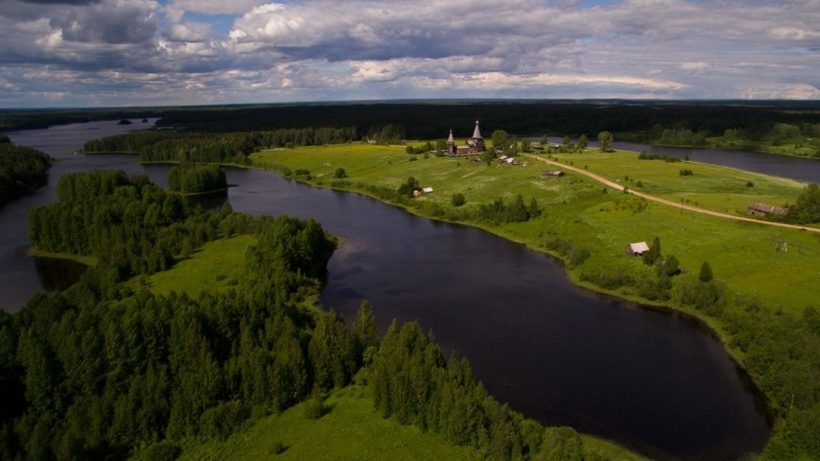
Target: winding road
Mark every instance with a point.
(664, 201)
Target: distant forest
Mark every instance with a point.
(434, 119)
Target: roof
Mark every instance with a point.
(450, 139)
(427, 190)
(639, 247)
(768, 208)
(476, 132)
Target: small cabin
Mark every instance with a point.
(555, 173)
(427, 190)
(637, 249)
(761, 209)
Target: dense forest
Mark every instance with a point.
(22, 170)
(671, 122)
(220, 147)
(191, 178)
(103, 371)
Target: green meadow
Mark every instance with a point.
(215, 267)
(350, 430)
(714, 187)
(748, 257)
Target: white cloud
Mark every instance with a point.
(322, 49)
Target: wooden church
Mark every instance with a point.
(474, 146)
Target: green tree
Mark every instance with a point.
(501, 140)
(654, 253)
(807, 209)
(606, 139)
(705, 275)
(458, 199)
(364, 330)
(583, 142)
(488, 156)
(340, 173)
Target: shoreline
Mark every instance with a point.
(711, 325)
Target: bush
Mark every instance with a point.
(686, 172)
(314, 408)
(340, 173)
(222, 420)
(705, 273)
(458, 199)
(160, 451)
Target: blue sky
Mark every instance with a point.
(77, 53)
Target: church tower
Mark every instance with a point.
(478, 140)
(451, 144)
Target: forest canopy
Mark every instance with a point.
(22, 170)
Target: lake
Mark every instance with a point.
(654, 380)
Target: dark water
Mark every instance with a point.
(656, 381)
(799, 168)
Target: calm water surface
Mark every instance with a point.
(656, 381)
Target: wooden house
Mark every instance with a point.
(761, 209)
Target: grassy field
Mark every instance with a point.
(351, 430)
(746, 256)
(713, 187)
(215, 267)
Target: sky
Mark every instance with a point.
(104, 53)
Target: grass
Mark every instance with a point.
(216, 267)
(714, 187)
(743, 255)
(350, 430)
(87, 260)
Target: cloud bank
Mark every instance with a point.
(147, 52)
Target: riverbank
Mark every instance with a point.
(575, 209)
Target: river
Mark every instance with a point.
(654, 380)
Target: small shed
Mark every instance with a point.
(637, 249)
(761, 209)
(427, 190)
(556, 173)
(510, 161)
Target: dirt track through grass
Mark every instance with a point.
(671, 203)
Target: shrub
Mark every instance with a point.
(750, 184)
(458, 199)
(314, 408)
(705, 273)
(340, 173)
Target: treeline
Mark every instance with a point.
(22, 170)
(190, 178)
(126, 222)
(433, 120)
(807, 208)
(215, 147)
(499, 212)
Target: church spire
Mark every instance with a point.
(450, 140)
(476, 133)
